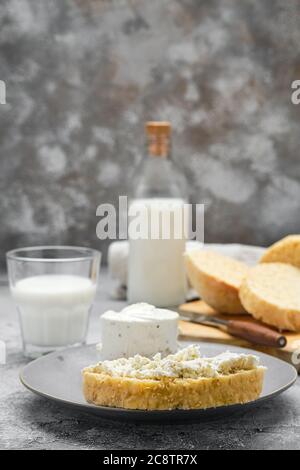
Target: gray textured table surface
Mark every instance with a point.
(30, 422)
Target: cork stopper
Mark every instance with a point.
(158, 128)
(158, 135)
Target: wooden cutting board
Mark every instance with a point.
(193, 332)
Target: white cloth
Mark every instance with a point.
(117, 259)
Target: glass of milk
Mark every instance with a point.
(53, 288)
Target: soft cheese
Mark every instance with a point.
(138, 329)
(186, 364)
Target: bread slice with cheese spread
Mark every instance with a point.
(180, 381)
(286, 250)
(217, 279)
(271, 293)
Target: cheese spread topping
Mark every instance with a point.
(186, 363)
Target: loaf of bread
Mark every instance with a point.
(286, 250)
(271, 293)
(217, 279)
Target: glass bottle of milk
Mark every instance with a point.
(156, 229)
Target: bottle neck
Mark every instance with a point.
(159, 146)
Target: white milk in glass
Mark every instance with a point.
(156, 266)
(54, 308)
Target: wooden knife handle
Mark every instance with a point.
(257, 334)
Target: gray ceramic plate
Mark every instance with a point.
(57, 376)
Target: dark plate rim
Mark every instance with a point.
(106, 410)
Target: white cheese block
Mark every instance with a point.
(138, 329)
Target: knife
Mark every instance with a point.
(251, 332)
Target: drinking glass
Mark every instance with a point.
(54, 288)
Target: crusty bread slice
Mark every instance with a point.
(271, 293)
(144, 394)
(217, 279)
(286, 250)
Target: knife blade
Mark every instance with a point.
(252, 332)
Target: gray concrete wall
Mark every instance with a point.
(82, 76)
